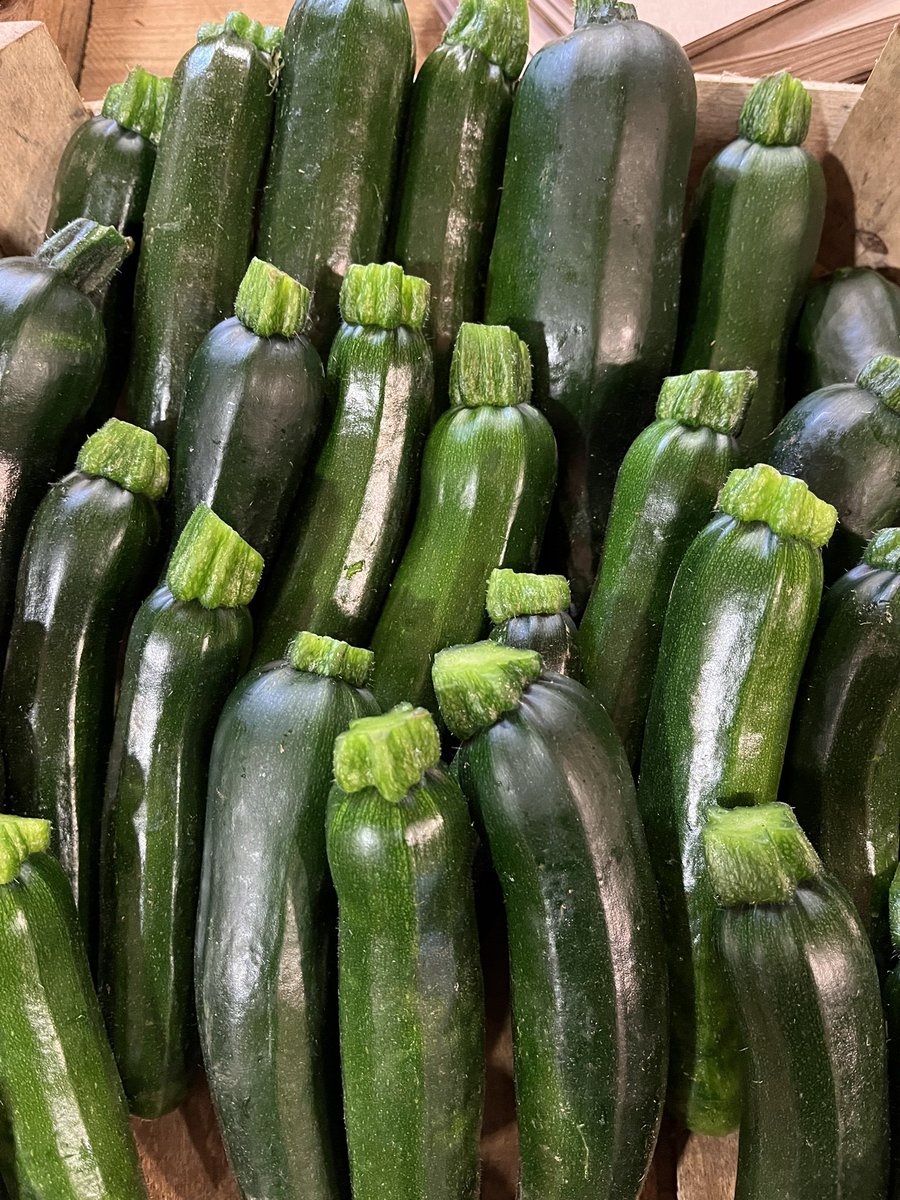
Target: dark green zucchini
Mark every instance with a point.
(52, 357)
(264, 944)
(348, 68)
(531, 612)
(189, 643)
(400, 847)
(665, 493)
(843, 759)
(88, 558)
(735, 638)
(453, 164)
(751, 246)
(586, 259)
(487, 481)
(198, 223)
(251, 410)
(550, 787)
(805, 988)
(845, 442)
(847, 320)
(64, 1131)
(350, 521)
(891, 999)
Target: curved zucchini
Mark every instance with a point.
(251, 410)
(400, 848)
(531, 612)
(735, 638)
(64, 1132)
(88, 556)
(198, 222)
(805, 988)
(350, 521)
(665, 493)
(452, 168)
(549, 784)
(751, 246)
(586, 260)
(487, 481)
(188, 644)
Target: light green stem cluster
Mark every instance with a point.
(129, 456)
(476, 685)
(329, 657)
(782, 502)
(390, 753)
(212, 563)
(757, 854)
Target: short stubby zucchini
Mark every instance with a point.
(531, 612)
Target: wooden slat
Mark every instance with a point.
(66, 20)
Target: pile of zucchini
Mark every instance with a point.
(403, 527)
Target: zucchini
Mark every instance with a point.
(665, 493)
(400, 848)
(735, 637)
(198, 222)
(64, 1130)
(350, 522)
(750, 249)
(52, 357)
(189, 643)
(549, 784)
(586, 260)
(805, 989)
(487, 481)
(891, 999)
(531, 612)
(843, 759)
(348, 69)
(251, 410)
(847, 320)
(452, 165)
(263, 956)
(88, 555)
(845, 442)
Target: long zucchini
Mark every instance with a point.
(891, 1000)
(531, 612)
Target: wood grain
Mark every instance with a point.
(66, 20)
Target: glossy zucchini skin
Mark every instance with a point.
(87, 561)
(198, 222)
(410, 988)
(182, 661)
(553, 635)
(665, 493)
(251, 411)
(348, 67)
(805, 988)
(586, 259)
(65, 1127)
(551, 789)
(264, 951)
(735, 637)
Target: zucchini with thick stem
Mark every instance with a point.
(586, 260)
(805, 988)
(843, 759)
(452, 165)
(350, 521)
(64, 1125)
(751, 246)
(735, 638)
(264, 953)
(400, 847)
(198, 223)
(487, 481)
(665, 493)
(550, 787)
(189, 643)
(88, 558)
(251, 410)
(531, 612)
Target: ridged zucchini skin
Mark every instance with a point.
(736, 633)
(551, 789)
(181, 662)
(65, 1129)
(264, 944)
(805, 988)
(586, 259)
(553, 635)
(410, 988)
(348, 68)
(87, 561)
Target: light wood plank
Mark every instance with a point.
(66, 20)
(707, 1168)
